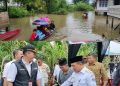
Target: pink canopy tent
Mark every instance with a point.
(45, 19)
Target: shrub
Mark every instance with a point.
(81, 6)
(16, 12)
(61, 11)
(71, 8)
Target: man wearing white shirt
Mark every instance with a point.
(24, 71)
(56, 71)
(17, 53)
(44, 68)
(81, 75)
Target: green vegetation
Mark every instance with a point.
(32, 5)
(61, 11)
(82, 6)
(6, 49)
(49, 51)
(28, 7)
(77, 1)
(87, 49)
(17, 12)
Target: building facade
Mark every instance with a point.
(101, 6)
(114, 8)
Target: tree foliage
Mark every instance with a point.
(87, 49)
(37, 5)
(76, 1)
(49, 51)
(6, 49)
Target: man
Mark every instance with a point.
(18, 53)
(2, 79)
(24, 72)
(98, 69)
(116, 77)
(44, 68)
(81, 75)
(85, 60)
(65, 72)
(56, 71)
(52, 26)
(111, 66)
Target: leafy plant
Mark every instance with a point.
(6, 49)
(51, 51)
(87, 48)
(82, 6)
(17, 12)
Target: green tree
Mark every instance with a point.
(55, 5)
(51, 51)
(88, 48)
(6, 49)
(32, 4)
(77, 1)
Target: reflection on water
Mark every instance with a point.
(68, 27)
(100, 27)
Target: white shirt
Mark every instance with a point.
(56, 71)
(6, 68)
(44, 68)
(42, 79)
(13, 72)
(84, 78)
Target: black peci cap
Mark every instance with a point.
(76, 59)
(62, 61)
(29, 48)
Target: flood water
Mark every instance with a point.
(68, 27)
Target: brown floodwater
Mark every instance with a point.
(68, 27)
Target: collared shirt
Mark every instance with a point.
(56, 71)
(99, 70)
(28, 66)
(13, 72)
(44, 68)
(83, 78)
(63, 77)
(6, 68)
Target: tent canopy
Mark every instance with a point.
(114, 48)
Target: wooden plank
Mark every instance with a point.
(114, 11)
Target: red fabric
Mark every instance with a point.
(101, 81)
(32, 37)
(110, 82)
(45, 32)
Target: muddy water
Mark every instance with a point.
(68, 27)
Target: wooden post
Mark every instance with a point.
(107, 20)
(5, 4)
(112, 22)
(119, 30)
(7, 29)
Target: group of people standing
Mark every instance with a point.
(25, 70)
(83, 72)
(42, 31)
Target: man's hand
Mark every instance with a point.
(38, 83)
(10, 84)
